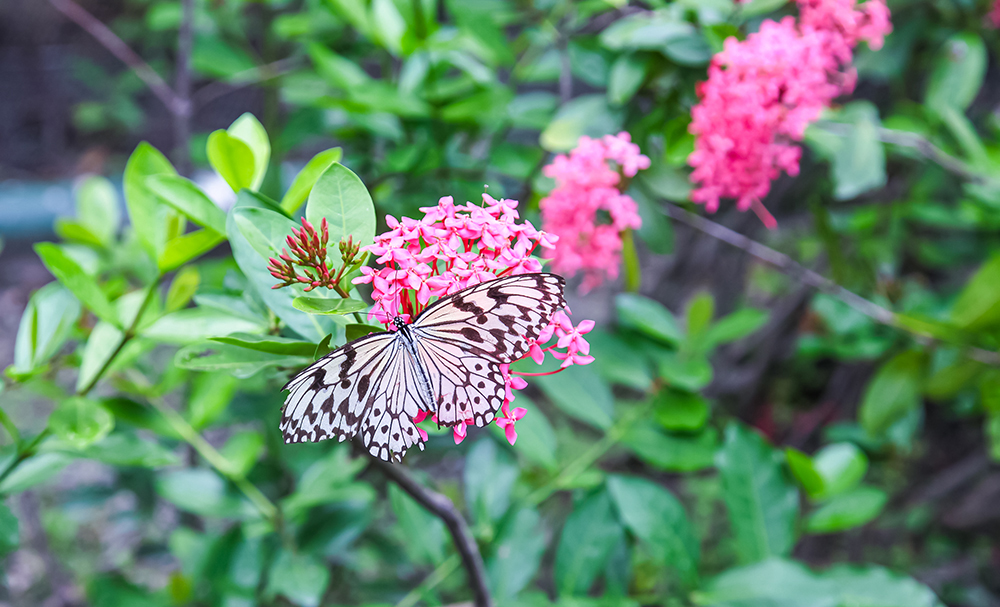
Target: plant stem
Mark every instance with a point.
(442, 507)
(437, 576)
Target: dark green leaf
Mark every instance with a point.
(893, 392)
(355, 331)
(268, 343)
(680, 411)
(618, 361)
(673, 453)
(690, 372)
(300, 578)
(81, 422)
(847, 510)
(319, 305)
(536, 440)
(655, 516)
(303, 183)
(588, 536)
(762, 503)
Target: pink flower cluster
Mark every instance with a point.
(453, 247)
(763, 92)
(993, 17)
(588, 181)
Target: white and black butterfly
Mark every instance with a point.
(447, 362)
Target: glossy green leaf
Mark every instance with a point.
(804, 471)
(151, 221)
(590, 533)
(186, 247)
(73, 277)
(355, 331)
(847, 510)
(268, 343)
(241, 362)
(658, 519)
(842, 466)
(187, 198)
(300, 578)
(342, 199)
(680, 411)
(762, 504)
(196, 324)
(98, 209)
(516, 553)
(231, 158)
(303, 183)
(249, 130)
(648, 317)
(423, 534)
(893, 392)
(45, 325)
(957, 73)
(81, 421)
(320, 305)
(182, 289)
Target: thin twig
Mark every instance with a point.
(109, 40)
(440, 574)
(442, 507)
(800, 273)
(256, 75)
(915, 142)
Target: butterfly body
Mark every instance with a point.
(447, 362)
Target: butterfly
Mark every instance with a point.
(447, 362)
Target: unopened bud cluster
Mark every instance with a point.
(307, 263)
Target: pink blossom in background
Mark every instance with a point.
(763, 92)
(457, 246)
(993, 17)
(589, 180)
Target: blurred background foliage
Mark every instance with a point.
(742, 439)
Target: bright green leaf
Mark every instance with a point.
(45, 325)
(648, 317)
(342, 199)
(102, 345)
(187, 198)
(319, 305)
(80, 421)
(250, 131)
(182, 249)
(232, 158)
(847, 510)
(268, 343)
(303, 183)
(150, 219)
(98, 208)
(210, 394)
(182, 289)
(73, 277)
(893, 392)
(680, 411)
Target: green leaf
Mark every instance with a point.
(320, 305)
(98, 209)
(735, 326)
(590, 533)
(127, 449)
(658, 519)
(782, 583)
(585, 115)
(211, 393)
(73, 277)
(80, 421)
(762, 503)
(684, 371)
(648, 31)
(356, 331)
(422, 534)
(842, 466)
(630, 260)
(648, 317)
(516, 553)
(978, 305)
(300, 578)
(242, 451)
(847, 511)
(182, 289)
(958, 72)
(489, 477)
(581, 395)
(238, 361)
(342, 199)
(618, 361)
(231, 158)
(151, 221)
(303, 183)
(45, 325)
(182, 249)
(627, 75)
(893, 392)
(859, 159)
(700, 311)
(680, 411)
(202, 492)
(536, 440)
(249, 130)
(328, 480)
(132, 413)
(805, 472)
(391, 26)
(673, 453)
(269, 343)
(196, 324)
(33, 471)
(102, 345)
(10, 535)
(72, 230)
(187, 198)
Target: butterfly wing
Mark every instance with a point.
(497, 319)
(366, 387)
(464, 338)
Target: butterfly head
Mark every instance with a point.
(399, 322)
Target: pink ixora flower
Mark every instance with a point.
(764, 91)
(588, 182)
(457, 246)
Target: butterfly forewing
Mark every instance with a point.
(374, 386)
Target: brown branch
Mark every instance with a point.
(800, 273)
(117, 47)
(442, 507)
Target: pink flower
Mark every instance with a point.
(454, 247)
(993, 18)
(586, 183)
(763, 92)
